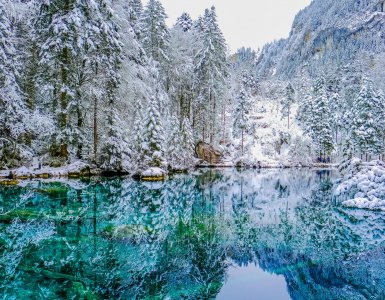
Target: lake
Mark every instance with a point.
(213, 234)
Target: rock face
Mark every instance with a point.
(207, 153)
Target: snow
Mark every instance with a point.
(76, 167)
(363, 185)
(23, 171)
(153, 172)
(365, 203)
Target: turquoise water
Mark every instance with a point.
(219, 234)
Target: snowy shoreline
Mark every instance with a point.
(363, 185)
(81, 170)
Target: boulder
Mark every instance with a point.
(208, 153)
(153, 174)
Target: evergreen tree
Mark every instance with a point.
(115, 150)
(154, 32)
(185, 22)
(153, 138)
(135, 14)
(287, 102)
(211, 70)
(137, 134)
(336, 108)
(59, 39)
(13, 111)
(250, 83)
(181, 71)
(368, 124)
(187, 142)
(321, 119)
(242, 117)
(174, 152)
(115, 153)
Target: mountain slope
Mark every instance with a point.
(327, 34)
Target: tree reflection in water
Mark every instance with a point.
(117, 238)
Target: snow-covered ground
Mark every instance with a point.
(24, 172)
(363, 185)
(153, 174)
(273, 143)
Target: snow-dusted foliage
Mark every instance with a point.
(320, 124)
(211, 73)
(328, 34)
(363, 185)
(108, 83)
(153, 136)
(154, 32)
(185, 22)
(368, 122)
(287, 103)
(13, 110)
(241, 117)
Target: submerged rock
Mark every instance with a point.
(9, 182)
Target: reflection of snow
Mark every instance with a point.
(17, 237)
(153, 185)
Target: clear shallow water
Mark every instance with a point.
(216, 234)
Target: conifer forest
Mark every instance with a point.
(143, 160)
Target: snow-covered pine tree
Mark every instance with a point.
(250, 83)
(241, 117)
(180, 144)
(287, 103)
(155, 36)
(137, 133)
(211, 69)
(368, 122)
(181, 71)
(336, 108)
(153, 137)
(13, 111)
(135, 75)
(135, 8)
(347, 155)
(321, 119)
(174, 152)
(115, 151)
(185, 22)
(187, 142)
(58, 30)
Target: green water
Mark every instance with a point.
(215, 234)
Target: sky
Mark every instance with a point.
(248, 23)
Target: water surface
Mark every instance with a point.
(225, 234)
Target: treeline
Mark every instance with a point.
(340, 109)
(109, 83)
(343, 112)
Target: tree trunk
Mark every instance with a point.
(80, 122)
(95, 128)
(242, 142)
(63, 117)
(336, 136)
(224, 124)
(288, 121)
